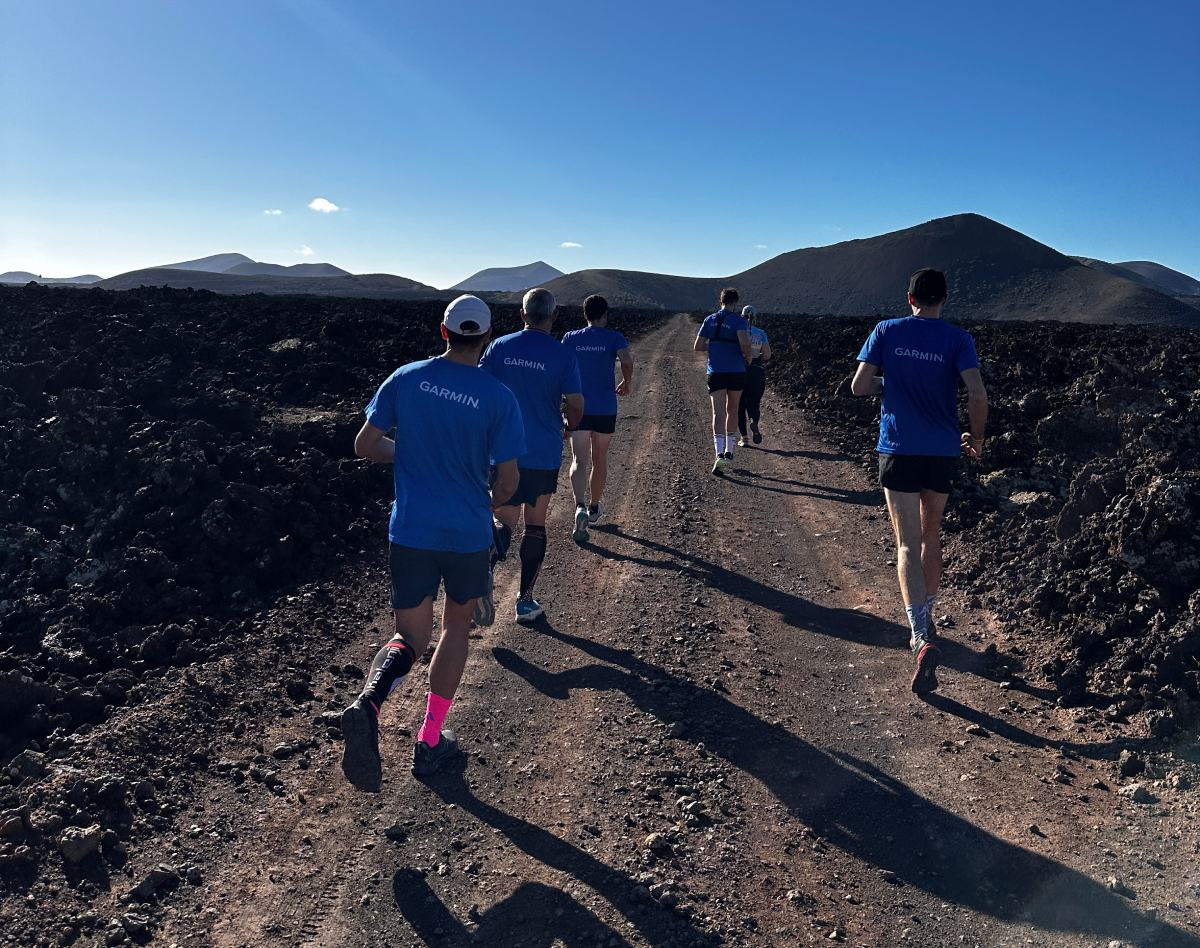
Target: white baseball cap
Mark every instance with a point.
(749, 311)
(468, 316)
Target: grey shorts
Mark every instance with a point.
(417, 574)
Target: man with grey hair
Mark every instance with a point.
(543, 374)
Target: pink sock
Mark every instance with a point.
(436, 709)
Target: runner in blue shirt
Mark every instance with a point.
(725, 337)
(543, 374)
(449, 421)
(915, 363)
(598, 349)
(750, 405)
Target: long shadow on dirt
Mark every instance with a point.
(781, 485)
(533, 909)
(539, 915)
(857, 807)
(798, 612)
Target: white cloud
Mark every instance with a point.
(323, 206)
(570, 245)
(305, 250)
(760, 246)
(273, 212)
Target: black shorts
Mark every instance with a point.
(601, 424)
(535, 482)
(417, 574)
(728, 381)
(913, 473)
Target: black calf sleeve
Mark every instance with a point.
(533, 552)
(392, 662)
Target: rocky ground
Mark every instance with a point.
(709, 742)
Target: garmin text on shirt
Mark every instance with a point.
(917, 354)
(450, 394)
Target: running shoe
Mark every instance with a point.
(529, 610)
(594, 512)
(428, 760)
(580, 533)
(924, 679)
(754, 431)
(485, 605)
(360, 755)
(719, 466)
(741, 442)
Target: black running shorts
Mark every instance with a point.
(913, 473)
(726, 381)
(535, 482)
(417, 574)
(601, 424)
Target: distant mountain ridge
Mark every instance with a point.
(994, 272)
(1168, 280)
(373, 285)
(24, 276)
(509, 279)
(240, 264)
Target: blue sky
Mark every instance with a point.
(688, 138)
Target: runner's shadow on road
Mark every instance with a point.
(849, 625)
(809, 455)
(855, 806)
(538, 913)
(858, 498)
(1094, 750)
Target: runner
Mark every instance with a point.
(541, 372)
(597, 348)
(915, 363)
(750, 405)
(725, 336)
(449, 419)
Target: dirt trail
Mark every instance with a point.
(709, 741)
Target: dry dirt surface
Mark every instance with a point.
(709, 741)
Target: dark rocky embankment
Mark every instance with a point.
(1080, 529)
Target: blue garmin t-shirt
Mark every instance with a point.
(921, 360)
(539, 370)
(758, 339)
(724, 351)
(596, 348)
(451, 420)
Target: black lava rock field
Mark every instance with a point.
(1080, 528)
(172, 462)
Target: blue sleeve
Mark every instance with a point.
(763, 334)
(507, 437)
(570, 379)
(622, 342)
(381, 413)
(872, 350)
(708, 328)
(967, 357)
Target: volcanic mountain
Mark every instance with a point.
(509, 279)
(1165, 279)
(994, 272)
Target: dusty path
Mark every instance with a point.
(710, 741)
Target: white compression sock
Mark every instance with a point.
(719, 444)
